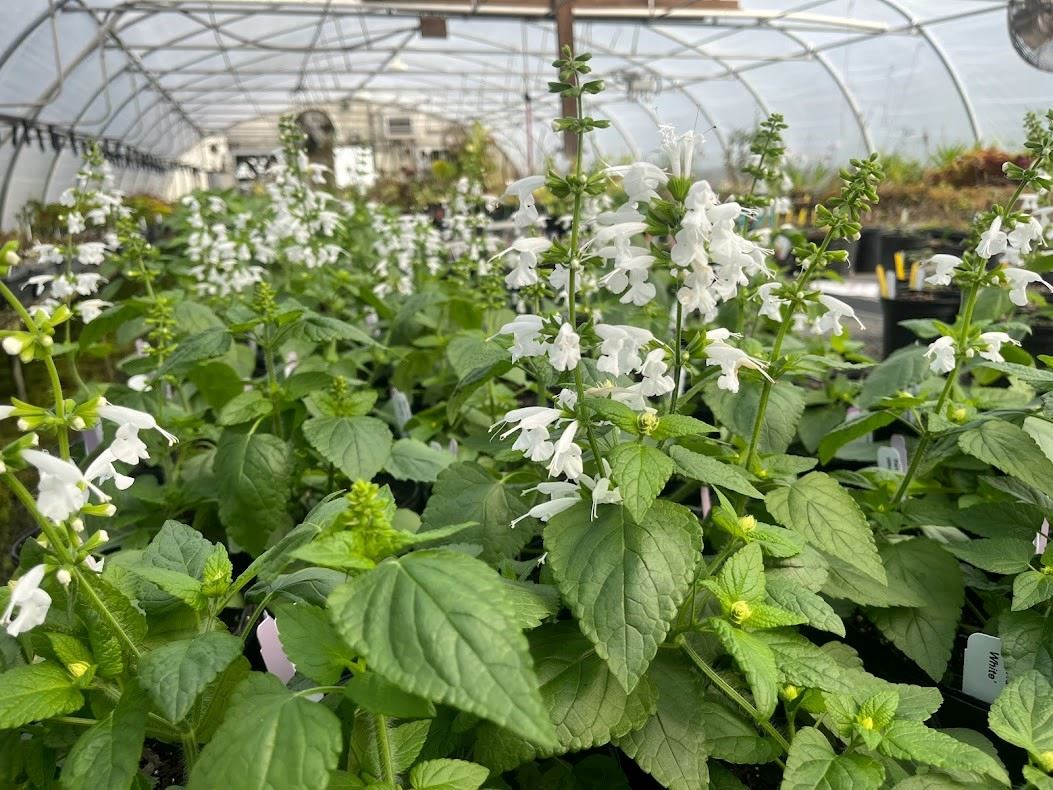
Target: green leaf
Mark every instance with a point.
(997, 555)
(270, 738)
(729, 736)
(217, 382)
(532, 603)
(912, 740)
(820, 510)
(414, 460)
(256, 477)
(812, 764)
(377, 695)
(475, 361)
(1027, 642)
(674, 426)
(311, 642)
(468, 492)
(738, 411)
(924, 633)
(794, 598)
(855, 428)
(106, 757)
(754, 658)
(1042, 432)
(641, 473)
(447, 774)
(176, 584)
(438, 624)
(624, 581)
(696, 466)
(335, 551)
(322, 328)
(672, 744)
(177, 547)
(209, 344)
(901, 370)
(175, 674)
(846, 582)
(1009, 449)
(35, 692)
(616, 413)
(357, 446)
(244, 407)
(1022, 714)
(1031, 588)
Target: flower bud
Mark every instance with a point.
(747, 524)
(63, 577)
(741, 611)
(78, 424)
(23, 424)
(77, 525)
(46, 341)
(1045, 761)
(647, 423)
(959, 414)
(790, 693)
(866, 722)
(11, 258)
(13, 345)
(78, 668)
(103, 535)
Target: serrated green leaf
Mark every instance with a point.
(311, 642)
(106, 757)
(174, 675)
(209, 344)
(1023, 715)
(532, 603)
(446, 774)
(177, 547)
(738, 411)
(853, 429)
(997, 555)
(641, 473)
(256, 477)
(674, 426)
(732, 738)
(377, 695)
(334, 551)
(357, 446)
(812, 764)
(414, 460)
(438, 624)
(794, 598)
(176, 584)
(1027, 642)
(270, 738)
(912, 740)
(696, 466)
(755, 660)
(35, 692)
(468, 492)
(924, 633)
(672, 744)
(624, 581)
(244, 407)
(1009, 449)
(1031, 588)
(821, 511)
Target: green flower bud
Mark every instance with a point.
(741, 611)
(647, 423)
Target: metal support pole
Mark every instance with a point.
(564, 13)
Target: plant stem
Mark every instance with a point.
(759, 718)
(188, 738)
(100, 606)
(387, 767)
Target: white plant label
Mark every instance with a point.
(983, 675)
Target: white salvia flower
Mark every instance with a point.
(1024, 234)
(31, 602)
(640, 291)
(680, 150)
(567, 398)
(524, 268)
(601, 491)
(127, 447)
(90, 309)
(695, 293)
(993, 241)
(655, 381)
(93, 564)
(523, 189)
(836, 311)
(1019, 280)
(771, 304)
(532, 422)
(941, 353)
(565, 351)
(140, 382)
(102, 469)
(640, 180)
(525, 331)
(730, 360)
(945, 266)
(63, 577)
(566, 457)
(91, 253)
(563, 496)
(400, 405)
(541, 559)
(74, 223)
(994, 342)
(63, 489)
(620, 349)
(122, 415)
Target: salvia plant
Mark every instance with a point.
(370, 501)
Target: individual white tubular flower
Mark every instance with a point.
(993, 241)
(563, 496)
(620, 349)
(63, 490)
(140, 382)
(993, 342)
(680, 150)
(565, 351)
(600, 489)
(1024, 234)
(122, 415)
(524, 264)
(31, 602)
(566, 456)
(525, 331)
(102, 469)
(771, 305)
(941, 354)
(696, 294)
(1019, 280)
(532, 422)
(523, 190)
(90, 309)
(836, 311)
(731, 360)
(640, 180)
(655, 381)
(945, 266)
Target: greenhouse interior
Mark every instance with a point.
(526, 394)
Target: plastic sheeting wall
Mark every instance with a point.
(851, 76)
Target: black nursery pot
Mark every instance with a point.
(892, 242)
(868, 251)
(941, 304)
(1040, 341)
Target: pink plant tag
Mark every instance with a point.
(274, 658)
(707, 505)
(1042, 537)
(899, 444)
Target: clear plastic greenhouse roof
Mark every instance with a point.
(850, 76)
